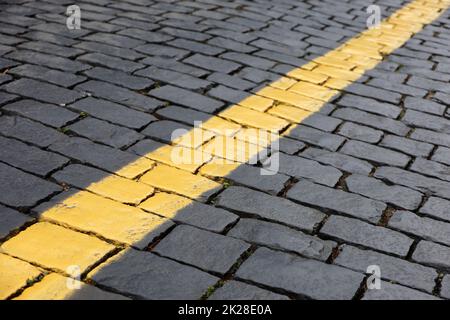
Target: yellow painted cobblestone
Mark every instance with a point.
(110, 219)
(14, 275)
(56, 247)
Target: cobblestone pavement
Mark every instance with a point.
(89, 189)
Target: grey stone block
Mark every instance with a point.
(301, 276)
(270, 207)
(235, 290)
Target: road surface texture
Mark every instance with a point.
(93, 205)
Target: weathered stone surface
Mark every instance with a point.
(373, 153)
(370, 105)
(362, 233)
(425, 228)
(304, 168)
(390, 291)
(358, 132)
(393, 269)
(105, 132)
(235, 290)
(147, 276)
(437, 207)
(203, 249)
(408, 146)
(432, 254)
(338, 200)
(415, 181)
(280, 237)
(186, 98)
(301, 276)
(431, 168)
(113, 112)
(20, 189)
(445, 287)
(338, 160)
(317, 137)
(11, 220)
(375, 189)
(42, 91)
(269, 207)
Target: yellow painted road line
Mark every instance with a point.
(279, 106)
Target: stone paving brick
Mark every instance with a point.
(424, 105)
(11, 220)
(432, 254)
(165, 63)
(102, 183)
(358, 132)
(316, 137)
(283, 238)
(15, 275)
(174, 78)
(371, 120)
(28, 158)
(367, 235)
(37, 244)
(186, 98)
(374, 153)
(21, 189)
(408, 146)
(442, 155)
(248, 117)
(29, 131)
(322, 122)
(433, 137)
(122, 163)
(121, 95)
(227, 94)
(49, 75)
(372, 92)
(437, 207)
(400, 88)
(119, 78)
(198, 47)
(415, 181)
(211, 63)
(5, 97)
(187, 184)
(164, 130)
(162, 50)
(6, 63)
(338, 200)
(445, 287)
(235, 290)
(394, 269)
(390, 291)
(147, 276)
(113, 112)
(370, 105)
(428, 84)
(105, 132)
(247, 175)
(431, 168)
(338, 160)
(107, 218)
(59, 63)
(271, 208)
(123, 53)
(426, 228)
(54, 287)
(52, 115)
(110, 62)
(305, 168)
(423, 120)
(114, 40)
(42, 91)
(203, 249)
(301, 276)
(375, 189)
(51, 49)
(190, 212)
